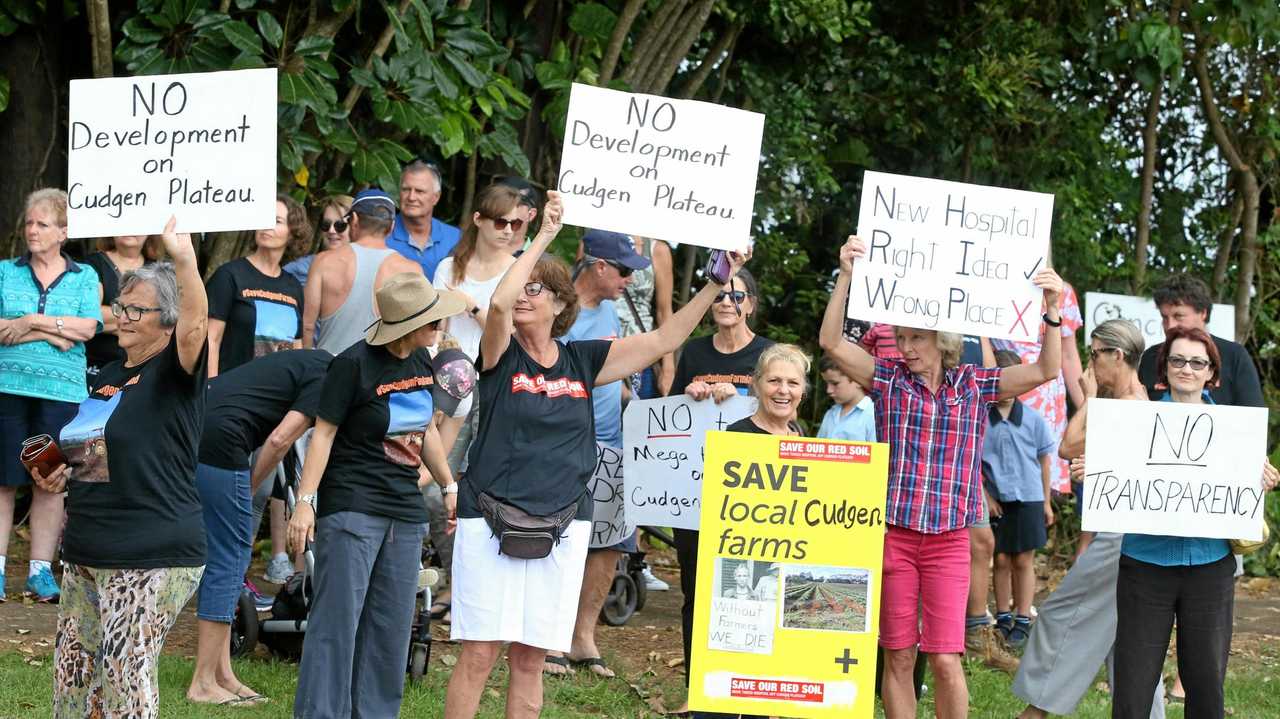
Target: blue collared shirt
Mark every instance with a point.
(38, 369)
(443, 239)
(601, 323)
(1011, 453)
(1174, 551)
(856, 425)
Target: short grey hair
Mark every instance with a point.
(164, 280)
(1121, 335)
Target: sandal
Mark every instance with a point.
(590, 663)
(439, 610)
(559, 662)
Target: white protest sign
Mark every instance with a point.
(950, 256)
(199, 146)
(609, 523)
(663, 441)
(1187, 470)
(677, 170)
(1141, 311)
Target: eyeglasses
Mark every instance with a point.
(133, 312)
(736, 295)
(337, 225)
(500, 223)
(1093, 353)
(533, 289)
(1197, 363)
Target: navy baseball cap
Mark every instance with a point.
(370, 201)
(614, 247)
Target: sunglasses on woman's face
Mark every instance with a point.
(533, 289)
(1196, 363)
(500, 223)
(337, 225)
(737, 295)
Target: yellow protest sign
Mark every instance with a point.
(789, 556)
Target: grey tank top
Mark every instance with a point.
(347, 326)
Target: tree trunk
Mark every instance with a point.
(613, 50)
(1150, 144)
(691, 23)
(34, 127)
(469, 190)
(650, 43)
(712, 59)
(1226, 243)
(100, 37)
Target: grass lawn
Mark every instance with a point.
(1251, 692)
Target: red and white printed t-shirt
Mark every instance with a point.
(536, 444)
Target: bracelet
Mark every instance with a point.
(1051, 323)
(475, 310)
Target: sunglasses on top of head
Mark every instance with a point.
(500, 223)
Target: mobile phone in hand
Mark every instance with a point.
(718, 267)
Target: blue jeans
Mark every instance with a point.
(228, 514)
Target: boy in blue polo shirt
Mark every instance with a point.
(852, 415)
(1016, 454)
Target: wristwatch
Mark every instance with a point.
(451, 489)
(309, 499)
(59, 323)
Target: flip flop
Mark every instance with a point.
(560, 662)
(439, 610)
(254, 699)
(591, 662)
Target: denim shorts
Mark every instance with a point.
(228, 517)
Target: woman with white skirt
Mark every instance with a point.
(529, 465)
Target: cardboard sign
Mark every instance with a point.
(950, 256)
(789, 565)
(1186, 470)
(1141, 311)
(677, 170)
(199, 146)
(609, 523)
(663, 442)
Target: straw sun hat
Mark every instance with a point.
(407, 301)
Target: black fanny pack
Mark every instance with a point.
(523, 535)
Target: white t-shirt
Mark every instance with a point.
(464, 327)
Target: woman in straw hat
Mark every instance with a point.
(373, 433)
(534, 452)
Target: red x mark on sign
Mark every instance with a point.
(1018, 320)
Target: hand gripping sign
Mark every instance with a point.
(950, 256)
(199, 146)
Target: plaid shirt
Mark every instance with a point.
(935, 444)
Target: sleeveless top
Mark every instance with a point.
(347, 325)
(640, 290)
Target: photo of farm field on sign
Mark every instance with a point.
(826, 598)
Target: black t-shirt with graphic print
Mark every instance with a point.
(700, 361)
(536, 444)
(247, 403)
(263, 314)
(381, 405)
(132, 501)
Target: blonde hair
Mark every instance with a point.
(1121, 335)
(52, 199)
(950, 345)
(788, 353)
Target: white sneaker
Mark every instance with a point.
(654, 584)
(278, 570)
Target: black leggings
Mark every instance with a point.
(1149, 597)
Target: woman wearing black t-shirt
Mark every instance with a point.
(255, 307)
(373, 433)
(134, 545)
(716, 366)
(535, 450)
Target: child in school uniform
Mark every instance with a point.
(1016, 456)
(852, 415)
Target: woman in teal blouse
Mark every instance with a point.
(48, 310)
(1190, 580)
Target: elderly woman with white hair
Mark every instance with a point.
(48, 309)
(134, 547)
(932, 411)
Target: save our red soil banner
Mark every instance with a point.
(789, 559)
